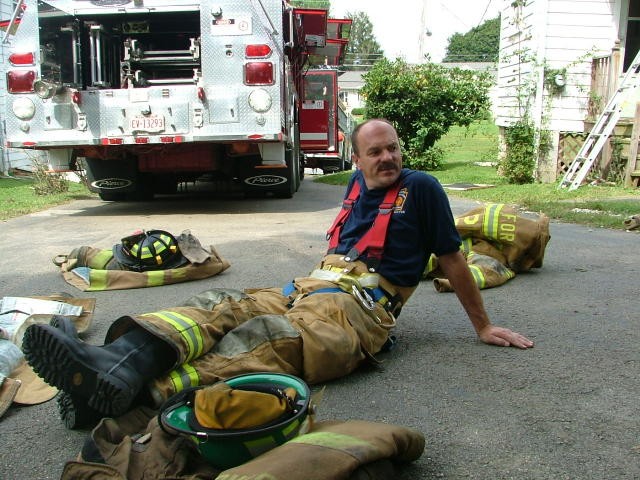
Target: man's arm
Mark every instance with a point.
(457, 272)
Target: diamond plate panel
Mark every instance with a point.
(223, 60)
(223, 114)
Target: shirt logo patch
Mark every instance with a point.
(398, 205)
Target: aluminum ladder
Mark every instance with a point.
(602, 129)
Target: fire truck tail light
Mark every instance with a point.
(258, 73)
(20, 81)
(22, 58)
(257, 51)
(76, 98)
(176, 139)
(260, 100)
(111, 141)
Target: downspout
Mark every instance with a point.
(538, 106)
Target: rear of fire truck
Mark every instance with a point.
(150, 95)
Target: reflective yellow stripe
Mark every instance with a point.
(431, 264)
(98, 280)
(260, 445)
(467, 244)
(179, 273)
(290, 430)
(329, 439)
(478, 276)
(100, 259)
(492, 219)
(155, 278)
(187, 328)
(184, 376)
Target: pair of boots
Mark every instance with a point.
(95, 381)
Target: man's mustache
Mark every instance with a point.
(387, 166)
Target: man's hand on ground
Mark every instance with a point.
(504, 337)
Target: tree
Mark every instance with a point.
(423, 102)
(326, 4)
(480, 44)
(363, 50)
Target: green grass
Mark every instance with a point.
(597, 206)
(18, 197)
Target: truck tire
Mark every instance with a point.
(112, 196)
(294, 168)
(293, 179)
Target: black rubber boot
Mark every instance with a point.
(107, 378)
(74, 411)
(65, 324)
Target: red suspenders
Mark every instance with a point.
(373, 241)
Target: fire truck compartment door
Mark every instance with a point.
(317, 115)
(57, 116)
(311, 25)
(223, 108)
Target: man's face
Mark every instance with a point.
(379, 156)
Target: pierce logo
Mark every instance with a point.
(265, 180)
(112, 183)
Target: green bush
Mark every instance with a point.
(358, 111)
(518, 163)
(432, 159)
(424, 101)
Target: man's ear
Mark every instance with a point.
(355, 159)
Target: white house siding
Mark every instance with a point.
(557, 34)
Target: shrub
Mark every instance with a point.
(519, 161)
(424, 101)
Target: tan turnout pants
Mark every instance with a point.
(221, 333)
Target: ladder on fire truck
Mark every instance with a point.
(602, 129)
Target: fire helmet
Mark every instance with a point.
(229, 447)
(149, 250)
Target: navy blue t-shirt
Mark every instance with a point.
(422, 224)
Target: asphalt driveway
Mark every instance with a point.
(567, 409)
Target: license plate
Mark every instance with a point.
(147, 123)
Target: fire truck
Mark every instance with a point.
(325, 125)
(148, 96)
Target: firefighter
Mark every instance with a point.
(319, 327)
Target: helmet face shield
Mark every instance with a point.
(227, 448)
(149, 250)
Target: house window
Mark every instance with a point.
(632, 44)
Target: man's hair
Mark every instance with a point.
(356, 131)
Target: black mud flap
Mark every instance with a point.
(279, 182)
(114, 179)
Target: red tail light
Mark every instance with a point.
(20, 81)
(258, 73)
(22, 58)
(257, 51)
(111, 141)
